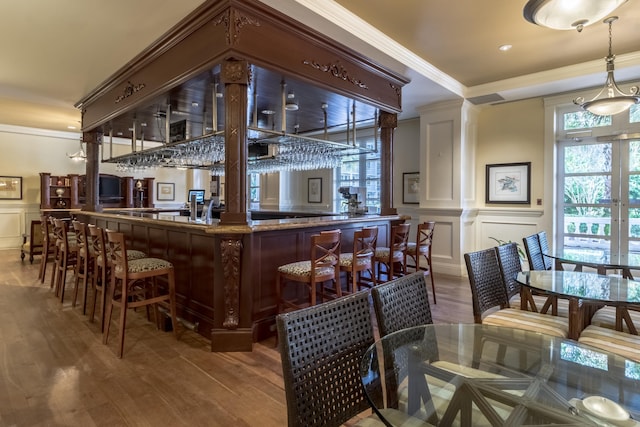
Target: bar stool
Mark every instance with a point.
(48, 246)
(84, 263)
(67, 256)
(361, 259)
(100, 279)
(134, 284)
(394, 254)
(422, 248)
(322, 266)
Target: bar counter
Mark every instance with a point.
(226, 274)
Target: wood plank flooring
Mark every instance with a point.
(55, 371)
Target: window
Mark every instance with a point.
(254, 188)
(362, 170)
(598, 186)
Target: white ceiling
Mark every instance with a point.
(55, 52)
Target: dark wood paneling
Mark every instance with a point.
(200, 286)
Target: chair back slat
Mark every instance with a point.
(364, 242)
(399, 237)
(117, 253)
(321, 348)
(425, 237)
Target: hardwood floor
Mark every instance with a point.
(55, 371)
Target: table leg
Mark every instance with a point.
(576, 318)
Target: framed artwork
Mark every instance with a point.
(315, 190)
(166, 191)
(11, 187)
(509, 183)
(411, 188)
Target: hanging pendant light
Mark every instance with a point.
(78, 156)
(614, 100)
(568, 14)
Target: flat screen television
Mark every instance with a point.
(109, 187)
(199, 195)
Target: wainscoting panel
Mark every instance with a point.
(11, 228)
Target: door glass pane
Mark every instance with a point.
(587, 158)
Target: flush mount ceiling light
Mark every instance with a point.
(568, 14)
(615, 100)
(291, 104)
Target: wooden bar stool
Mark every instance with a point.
(67, 250)
(133, 284)
(361, 259)
(48, 246)
(322, 266)
(84, 263)
(394, 254)
(100, 278)
(422, 248)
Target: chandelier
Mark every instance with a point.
(568, 14)
(615, 100)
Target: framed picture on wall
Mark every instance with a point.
(411, 188)
(315, 190)
(166, 191)
(11, 187)
(509, 183)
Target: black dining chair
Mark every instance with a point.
(534, 252)
(401, 303)
(321, 348)
(491, 303)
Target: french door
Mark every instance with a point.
(599, 213)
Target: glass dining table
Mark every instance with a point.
(476, 375)
(585, 291)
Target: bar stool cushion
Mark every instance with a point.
(383, 253)
(303, 268)
(346, 260)
(519, 319)
(147, 264)
(626, 345)
(135, 254)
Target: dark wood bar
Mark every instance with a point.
(196, 251)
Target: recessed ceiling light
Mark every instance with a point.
(505, 47)
(268, 112)
(194, 104)
(71, 127)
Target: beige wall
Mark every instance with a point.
(511, 133)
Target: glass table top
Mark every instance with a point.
(468, 374)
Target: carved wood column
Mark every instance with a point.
(231, 251)
(235, 76)
(388, 122)
(93, 140)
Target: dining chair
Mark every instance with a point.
(534, 252)
(401, 303)
(490, 299)
(421, 248)
(321, 349)
(32, 243)
(510, 265)
(322, 266)
(361, 258)
(544, 248)
(135, 284)
(393, 255)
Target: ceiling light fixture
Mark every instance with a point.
(568, 14)
(615, 100)
(291, 104)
